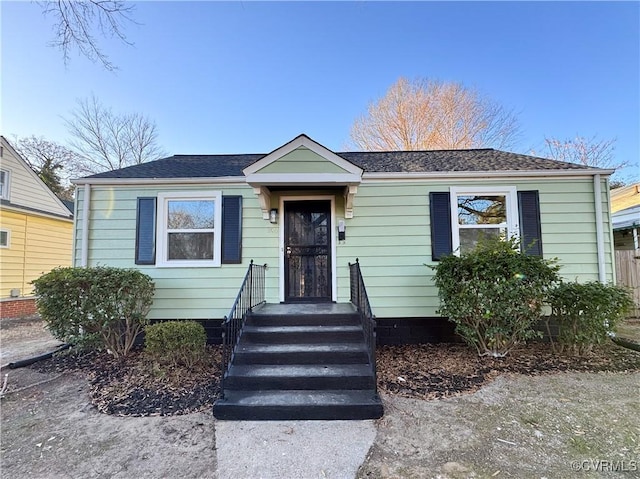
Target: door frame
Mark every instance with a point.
(332, 199)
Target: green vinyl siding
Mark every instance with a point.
(302, 160)
(389, 233)
(184, 293)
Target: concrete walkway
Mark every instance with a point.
(292, 449)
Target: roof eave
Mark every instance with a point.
(159, 181)
(417, 175)
(485, 174)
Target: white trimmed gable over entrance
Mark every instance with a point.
(303, 162)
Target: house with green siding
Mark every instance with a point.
(395, 211)
(195, 224)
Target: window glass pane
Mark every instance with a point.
(4, 238)
(190, 246)
(481, 209)
(3, 179)
(190, 214)
(469, 237)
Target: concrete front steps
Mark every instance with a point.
(300, 362)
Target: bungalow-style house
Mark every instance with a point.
(322, 221)
(36, 232)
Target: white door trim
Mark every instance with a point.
(334, 285)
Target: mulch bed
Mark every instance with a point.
(430, 371)
(137, 386)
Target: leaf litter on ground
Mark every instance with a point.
(138, 386)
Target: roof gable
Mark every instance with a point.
(302, 160)
(303, 142)
(300, 157)
(26, 189)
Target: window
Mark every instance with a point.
(189, 228)
(478, 213)
(4, 238)
(4, 184)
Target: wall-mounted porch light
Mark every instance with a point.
(273, 216)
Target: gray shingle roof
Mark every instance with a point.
(211, 166)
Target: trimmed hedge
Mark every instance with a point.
(176, 342)
(95, 308)
(494, 294)
(586, 313)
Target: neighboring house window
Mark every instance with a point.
(5, 237)
(189, 228)
(478, 213)
(4, 184)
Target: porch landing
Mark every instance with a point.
(288, 309)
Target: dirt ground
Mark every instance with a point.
(24, 337)
(548, 426)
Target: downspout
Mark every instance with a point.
(597, 193)
(84, 251)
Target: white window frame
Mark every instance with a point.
(3, 230)
(7, 184)
(512, 222)
(162, 232)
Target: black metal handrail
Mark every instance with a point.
(251, 294)
(360, 300)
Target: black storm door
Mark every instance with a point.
(307, 250)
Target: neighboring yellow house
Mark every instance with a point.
(625, 206)
(36, 232)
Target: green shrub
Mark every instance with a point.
(100, 307)
(176, 342)
(585, 314)
(494, 294)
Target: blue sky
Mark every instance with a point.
(248, 77)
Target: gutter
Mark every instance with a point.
(597, 197)
(421, 175)
(8, 206)
(485, 174)
(205, 180)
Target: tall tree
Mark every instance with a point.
(589, 152)
(54, 163)
(426, 114)
(77, 22)
(104, 140)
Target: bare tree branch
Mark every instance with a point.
(55, 164)
(78, 21)
(426, 115)
(105, 141)
(593, 151)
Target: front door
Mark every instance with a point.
(307, 250)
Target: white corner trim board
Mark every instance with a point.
(597, 197)
(86, 198)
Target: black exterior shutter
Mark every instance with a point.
(146, 231)
(530, 232)
(231, 229)
(440, 209)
